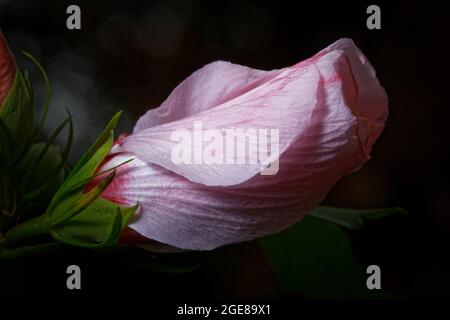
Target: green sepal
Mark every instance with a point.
(17, 117)
(77, 202)
(45, 171)
(99, 225)
(75, 216)
(83, 219)
(83, 170)
(94, 156)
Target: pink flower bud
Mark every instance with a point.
(8, 69)
(328, 110)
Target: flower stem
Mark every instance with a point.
(27, 229)
(28, 250)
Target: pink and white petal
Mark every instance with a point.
(285, 103)
(130, 237)
(8, 68)
(318, 107)
(206, 88)
(371, 106)
(188, 215)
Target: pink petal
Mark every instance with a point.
(285, 102)
(371, 102)
(326, 131)
(187, 215)
(7, 69)
(207, 87)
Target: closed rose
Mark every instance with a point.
(328, 111)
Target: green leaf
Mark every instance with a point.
(352, 219)
(49, 93)
(97, 226)
(314, 258)
(17, 116)
(30, 228)
(29, 170)
(57, 168)
(46, 170)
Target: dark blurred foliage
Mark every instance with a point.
(131, 54)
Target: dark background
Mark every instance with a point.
(130, 54)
